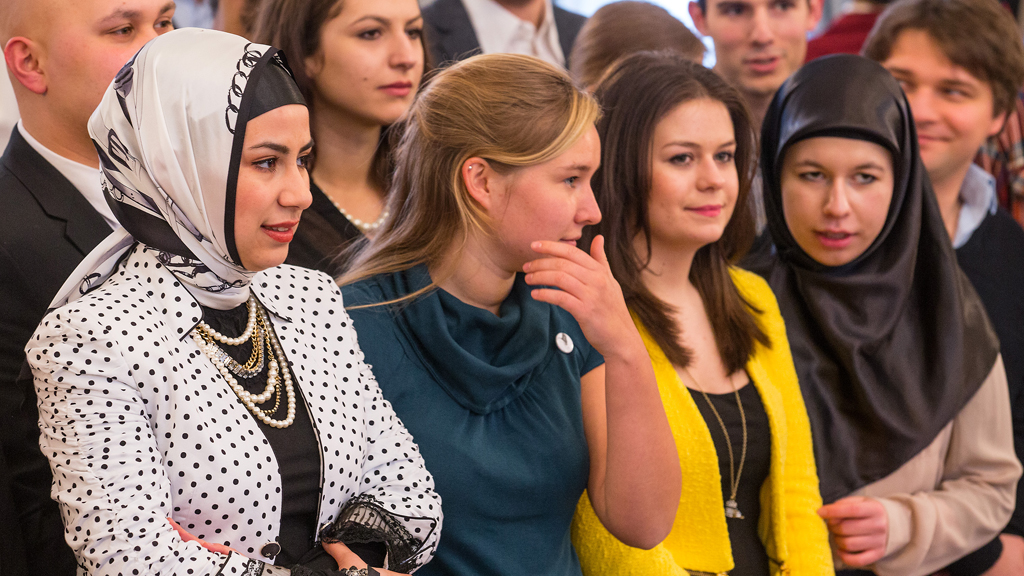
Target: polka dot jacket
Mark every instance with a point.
(139, 426)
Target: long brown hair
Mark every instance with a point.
(636, 94)
(294, 27)
(514, 111)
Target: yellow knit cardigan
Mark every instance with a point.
(794, 536)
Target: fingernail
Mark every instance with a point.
(535, 245)
(526, 267)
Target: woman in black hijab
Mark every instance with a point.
(900, 369)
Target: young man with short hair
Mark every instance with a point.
(758, 43)
(961, 63)
(60, 56)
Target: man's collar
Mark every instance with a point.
(496, 27)
(978, 200)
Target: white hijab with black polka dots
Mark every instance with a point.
(169, 131)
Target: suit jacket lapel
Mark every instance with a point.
(84, 226)
(452, 23)
(568, 25)
(566, 35)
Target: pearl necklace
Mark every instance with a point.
(249, 326)
(364, 227)
(277, 368)
(251, 368)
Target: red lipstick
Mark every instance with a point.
(282, 232)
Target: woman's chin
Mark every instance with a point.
(834, 257)
(265, 259)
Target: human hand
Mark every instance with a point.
(343, 555)
(585, 288)
(186, 537)
(860, 529)
(1011, 561)
(346, 558)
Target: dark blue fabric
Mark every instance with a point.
(495, 408)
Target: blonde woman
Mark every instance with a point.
(521, 389)
(676, 171)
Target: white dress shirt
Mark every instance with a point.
(85, 179)
(499, 30)
(978, 194)
(8, 108)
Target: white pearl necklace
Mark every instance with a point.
(364, 227)
(277, 367)
(249, 325)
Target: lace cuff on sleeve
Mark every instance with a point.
(364, 520)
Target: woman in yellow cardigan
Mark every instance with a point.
(679, 154)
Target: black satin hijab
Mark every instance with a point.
(890, 347)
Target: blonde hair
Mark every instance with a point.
(514, 111)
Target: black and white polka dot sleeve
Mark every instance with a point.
(397, 503)
(109, 476)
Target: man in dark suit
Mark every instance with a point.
(60, 57)
(457, 29)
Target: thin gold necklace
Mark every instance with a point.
(732, 509)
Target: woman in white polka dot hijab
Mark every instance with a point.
(205, 409)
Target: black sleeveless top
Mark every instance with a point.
(295, 447)
(748, 551)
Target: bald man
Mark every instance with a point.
(60, 57)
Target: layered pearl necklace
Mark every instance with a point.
(257, 328)
(364, 227)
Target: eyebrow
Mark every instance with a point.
(383, 20)
(864, 166)
(947, 82)
(578, 168)
(954, 83)
(279, 148)
(130, 14)
(685, 144)
(901, 71)
(732, 4)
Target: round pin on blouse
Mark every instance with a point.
(564, 342)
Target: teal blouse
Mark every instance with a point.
(494, 404)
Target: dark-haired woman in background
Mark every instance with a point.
(359, 65)
(900, 368)
(679, 151)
